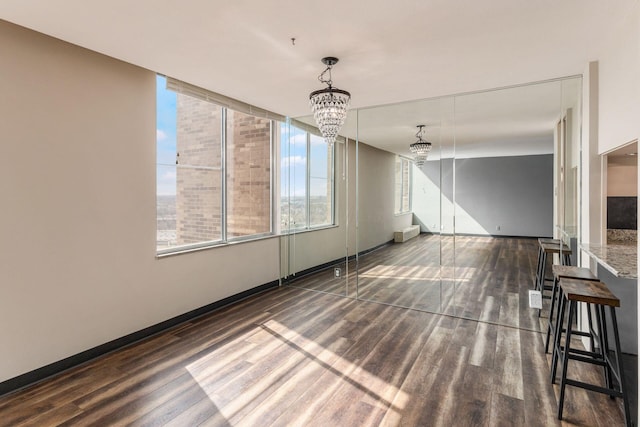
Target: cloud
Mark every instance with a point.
(318, 140)
(293, 161)
(169, 175)
(298, 139)
(166, 181)
(160, 135)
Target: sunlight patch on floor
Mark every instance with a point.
(280, 366)
(417, 273)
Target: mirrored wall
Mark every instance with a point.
(315, 189)
(416, 272)
(503, 170)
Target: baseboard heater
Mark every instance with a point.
(406, 234)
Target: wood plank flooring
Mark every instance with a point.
(482, 278)
(293, 357)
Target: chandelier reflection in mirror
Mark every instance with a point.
(329, 105)
(420, 148)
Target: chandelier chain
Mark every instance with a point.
(321, 76)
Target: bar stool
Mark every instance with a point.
(559, 328)
(597, 293)
(546, 249)
(567, 272)
(542, 240)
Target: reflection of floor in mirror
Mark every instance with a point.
(325, 280)
(474, 277)
(295, 357)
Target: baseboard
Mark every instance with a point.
(37, 375)
(375, 248)
(505, 236)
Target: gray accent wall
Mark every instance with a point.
(508, 196)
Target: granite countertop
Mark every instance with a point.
(621, 260)
(622, 237)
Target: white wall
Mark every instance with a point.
(611, 90)
(77, 184)
(591, 218)
(620, 84)
(622, 176)
(376, 191)
(619, 87)
(426, 196)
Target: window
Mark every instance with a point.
(248, 175)
(320, 182)
(403, 191)
(213, 172)
(306, 184)
(293, 178)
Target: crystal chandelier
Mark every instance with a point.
(419, 160)
(329, 105)
(420, 148)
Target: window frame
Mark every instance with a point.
(308, 226)
(224, 240)
(406, 165)
(225, 156)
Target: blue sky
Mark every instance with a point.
(166, 138)
(293, 163)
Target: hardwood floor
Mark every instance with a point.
(481, 278)
(295, 357)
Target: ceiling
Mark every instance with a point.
(390, 51)
(511, 121)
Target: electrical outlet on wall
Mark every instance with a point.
(535, 299)
(337, 272)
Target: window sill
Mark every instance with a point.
(307, 230)
(165, 253)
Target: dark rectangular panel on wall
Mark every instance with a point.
(622, 213)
